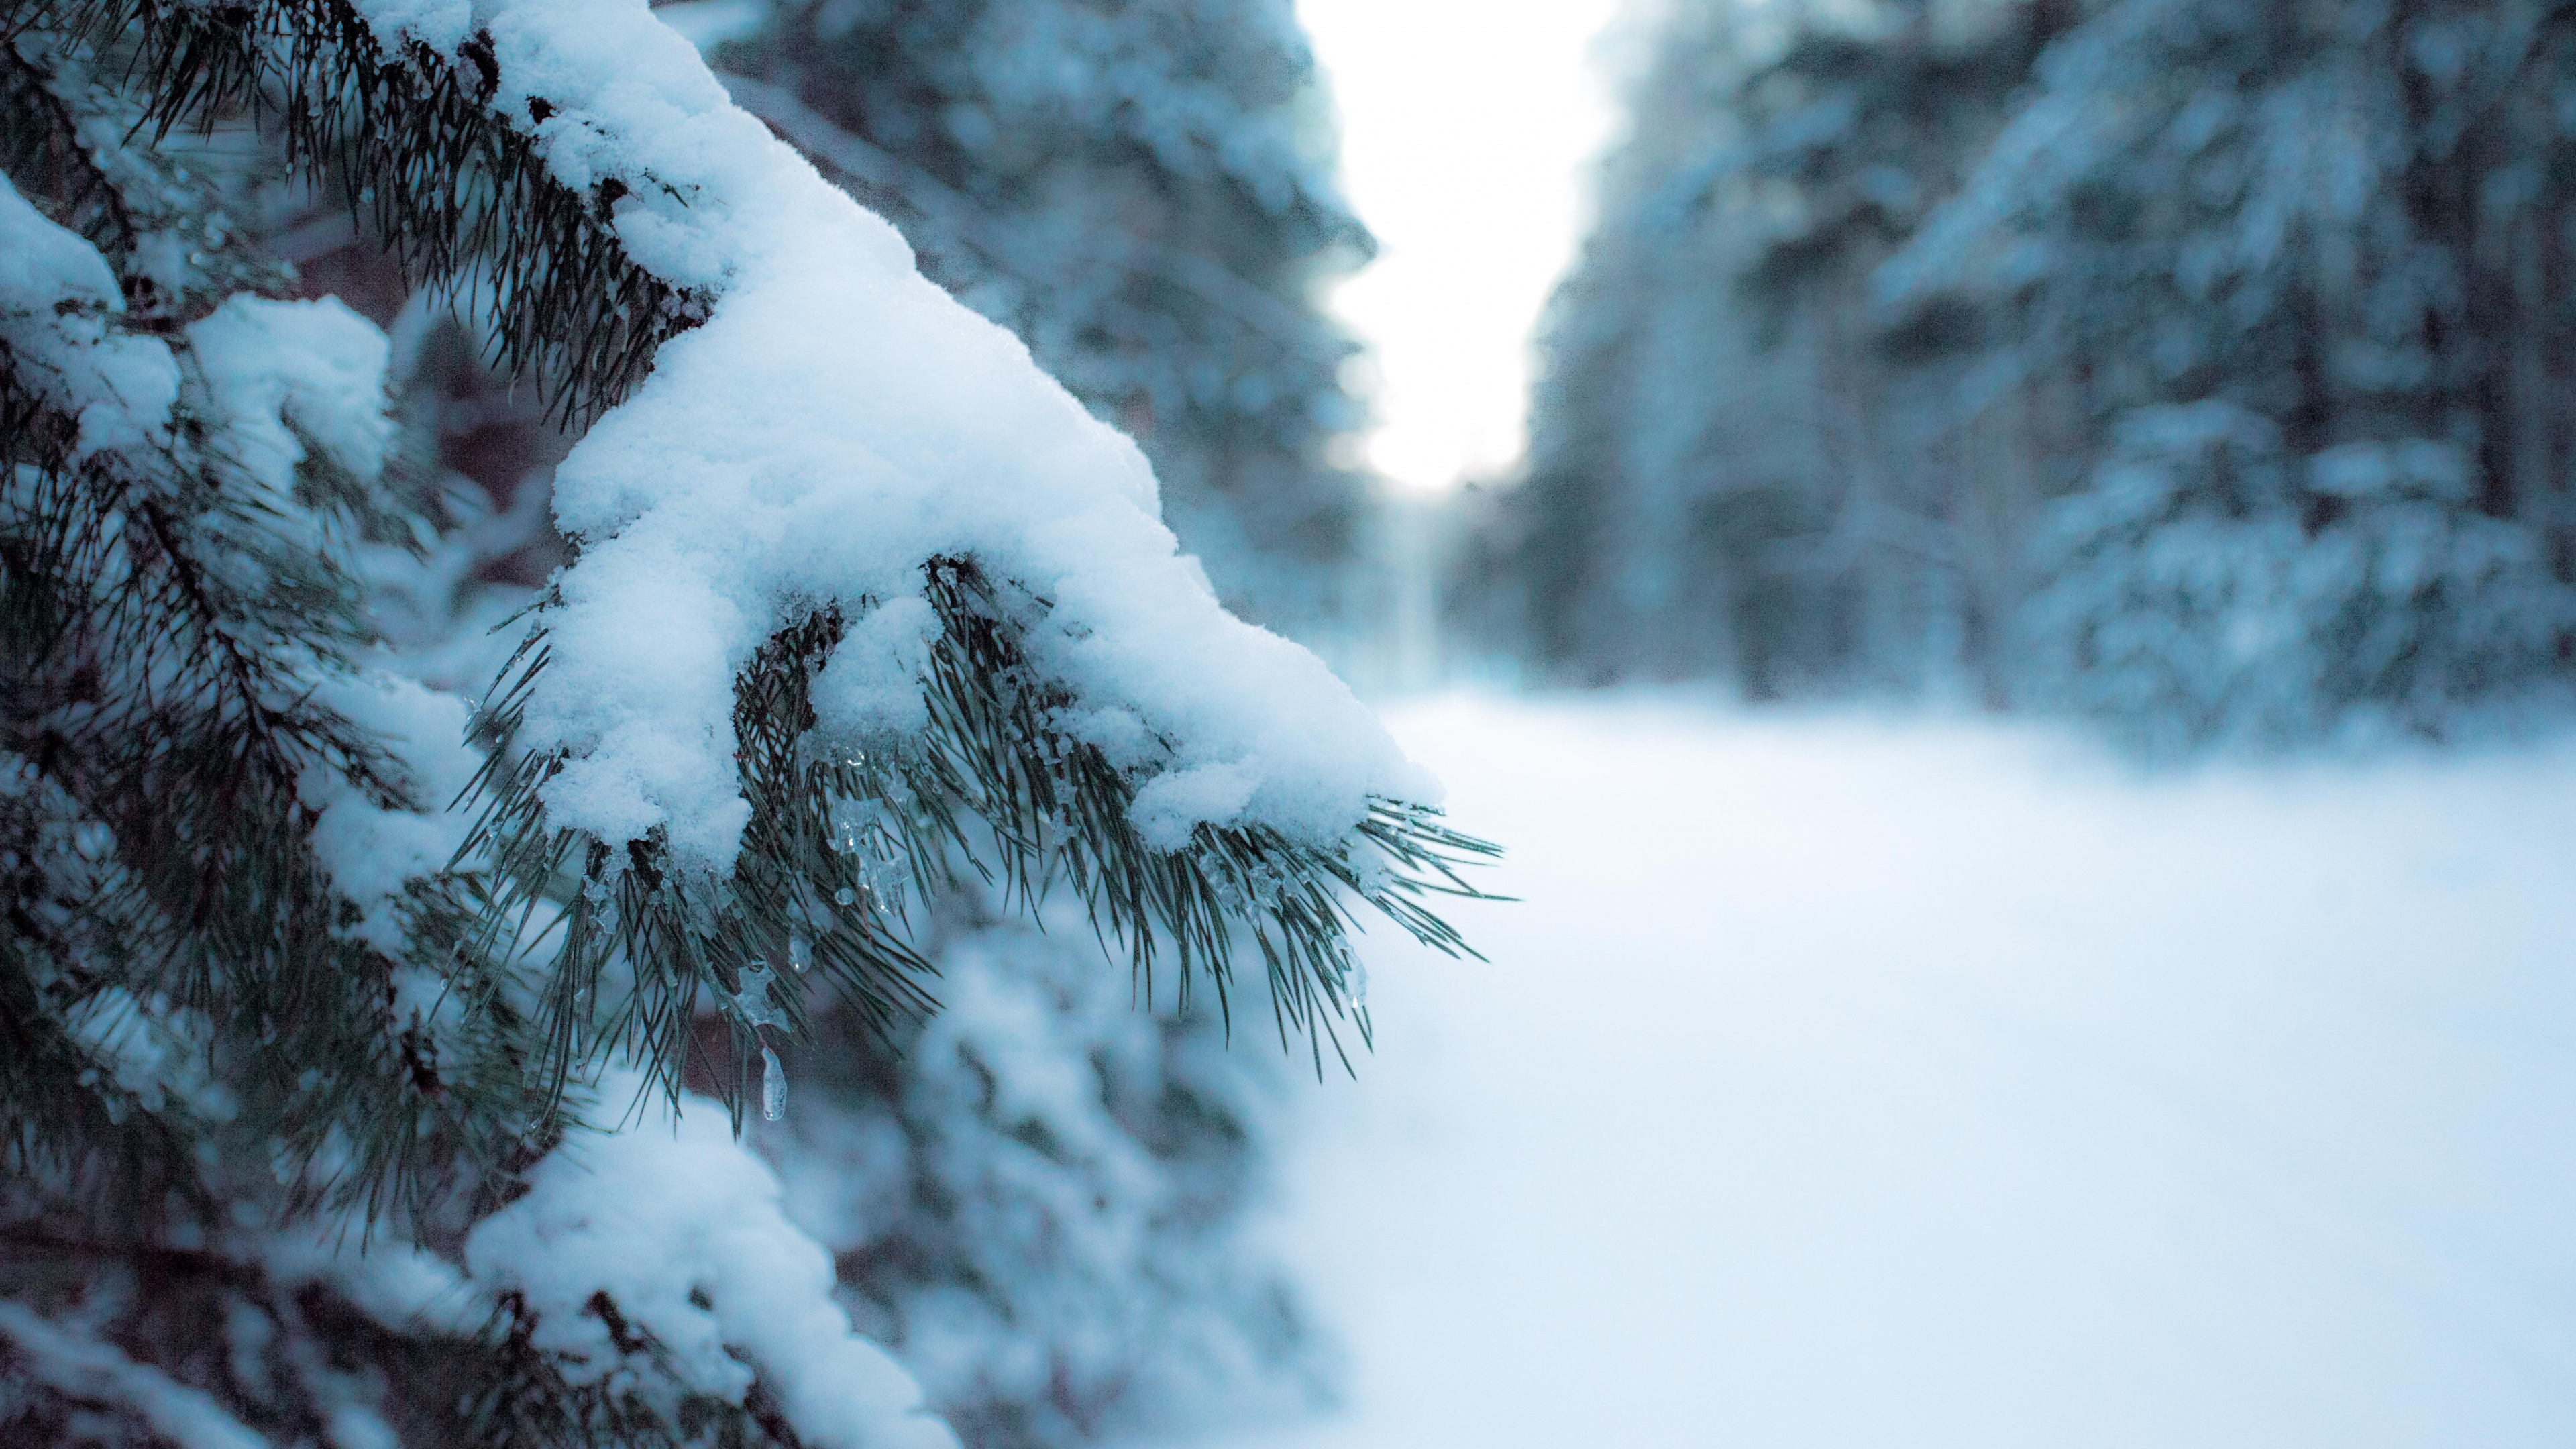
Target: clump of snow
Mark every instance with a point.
(836, 423)
(279, 375)
(57, 301)
(680, 1226)
(2411, 468)
(402, 1286)
(873, 683)
(373, 851)
(153, 1050)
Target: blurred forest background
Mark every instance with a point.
(2200, 369)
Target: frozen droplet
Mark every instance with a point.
(800, 951)
(752, 1001)
(773, 1085)
(845, 895)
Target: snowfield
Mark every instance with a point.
(1846, 1083)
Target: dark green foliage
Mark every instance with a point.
(838, 845)
(411, 145)
(163, 641)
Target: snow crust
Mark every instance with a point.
(681, 1226)
(834, 424)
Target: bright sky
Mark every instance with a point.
(1467, 129)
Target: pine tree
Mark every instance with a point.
(337, 1112)
(1135, 190)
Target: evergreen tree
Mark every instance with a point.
(2187, 604)
(2333, 223)
(1136, 190)
(339, 1114)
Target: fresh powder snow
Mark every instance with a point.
(1925, 1086)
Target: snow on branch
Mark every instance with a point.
(840, 446)
(836, 423)
(670, 1233)
(862, 595)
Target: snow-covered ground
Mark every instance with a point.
(1858, 1084)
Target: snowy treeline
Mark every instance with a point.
(2202, 367)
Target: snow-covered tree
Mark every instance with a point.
(341, 1114)
(2186, 603)
(1890, 302)
(1138, 191)
(2338, 225)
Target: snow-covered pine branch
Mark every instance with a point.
(882, 607)
(820, 482)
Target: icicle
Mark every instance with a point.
(773, 1084)
(845, 895)
(800, 951)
